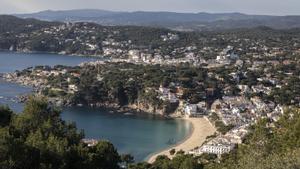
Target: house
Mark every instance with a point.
(261, 89)
(90, 142)
(164, 90)
(237, 134)
(202, 108)
(239, 63)
(275, 115)
(167, 95)
(228, 90)
(244, 89)
(195, 110)
(279, 109)
(191, 110)
(179, 91)
(72, 88)
(134, 55)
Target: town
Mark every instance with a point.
(231, 78)
(233, 93)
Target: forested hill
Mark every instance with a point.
(172, 20)
(14, 24)
(27, 35)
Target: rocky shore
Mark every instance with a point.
(38, 85)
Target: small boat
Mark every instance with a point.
(90, 142)
(128, 114)
(171, 141)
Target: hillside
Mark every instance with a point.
(14, 24)
(27, 35)
(172, 20)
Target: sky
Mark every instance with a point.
(269, 7)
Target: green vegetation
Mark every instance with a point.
(39, 139)
(178, 162)
(10, 26)
(172, 152)
(268, 147)
(267, 68)
(5, 116)
(14, 24)
(126, 83)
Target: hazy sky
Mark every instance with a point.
(274, 7)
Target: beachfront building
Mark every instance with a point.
(213, 148)
(223, 143)
(195, 110)
(191, 110)
(202, 108)
(217, 149)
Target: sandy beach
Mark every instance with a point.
(201, 129)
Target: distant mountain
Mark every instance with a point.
(68, 15)
(178, 21)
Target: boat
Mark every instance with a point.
(128, 114)
(171, 141)
(90, 142)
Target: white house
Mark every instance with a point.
(192, 110)
(216, 148)
(134, 55)
(72, 88)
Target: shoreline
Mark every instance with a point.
(56, 53)
(155, 154)
(61, 102)
(201, 128)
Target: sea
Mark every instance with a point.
(137, 134)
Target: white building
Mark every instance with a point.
(134, 55)
(72, 88)
(192, 110)
(166, 95)
(275, 115)
(216, 148)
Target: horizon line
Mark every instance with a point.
(154, 11)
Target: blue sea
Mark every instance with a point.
(139, 135)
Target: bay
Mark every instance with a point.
(139, 135)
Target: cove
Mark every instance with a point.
(139, 135)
